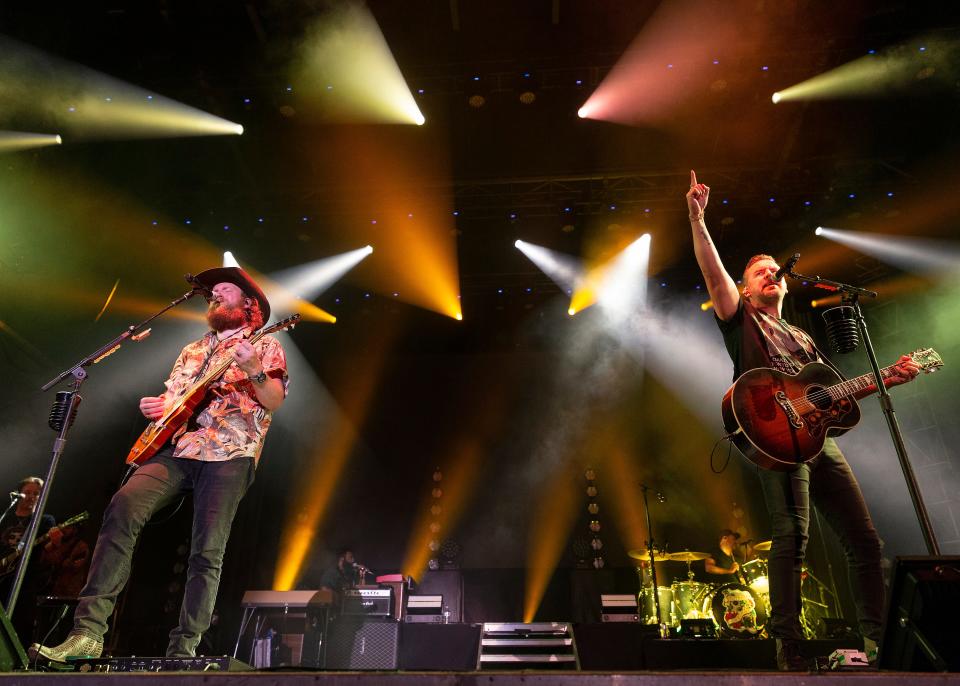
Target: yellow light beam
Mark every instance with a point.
(346, 70)
(11, 141)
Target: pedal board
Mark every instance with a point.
(213, 663)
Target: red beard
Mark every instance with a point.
(222, 318)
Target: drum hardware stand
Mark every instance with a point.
(653, 566)
(826, 557)
(851, 297)
(61, 419)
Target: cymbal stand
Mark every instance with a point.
(653, 566)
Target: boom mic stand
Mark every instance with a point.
(851, 297)
(61, 419)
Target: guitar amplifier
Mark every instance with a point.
(367, 602)
(424, 609)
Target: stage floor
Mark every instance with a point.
(500, 678)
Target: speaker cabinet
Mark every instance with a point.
(449, 584)
(357, 643)
(922, 630)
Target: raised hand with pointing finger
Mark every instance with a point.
(697, 197)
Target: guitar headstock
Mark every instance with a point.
(927, 359)
(76, 519)
(282, 325)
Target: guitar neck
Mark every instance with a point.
(859, 387)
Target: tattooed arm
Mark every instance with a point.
(723, 291)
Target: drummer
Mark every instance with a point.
(721, 565)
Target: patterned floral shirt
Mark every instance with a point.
(232, 423)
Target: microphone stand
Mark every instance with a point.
(135, 332)
(851, 297)
(661, 627)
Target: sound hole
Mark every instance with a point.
(818, 397)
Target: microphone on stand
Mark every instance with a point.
(15, 495)
(197, 286)
(58, 413)
(788, 267)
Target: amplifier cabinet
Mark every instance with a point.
(357, 643)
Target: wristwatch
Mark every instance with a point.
(259, 378)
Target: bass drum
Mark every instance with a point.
(737, 611)
(688, 600)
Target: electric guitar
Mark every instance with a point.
(779, 420)
(160, 431)
(9, 561)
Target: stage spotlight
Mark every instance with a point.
(17, 140)
(229, 260)
(571, 311)
(775, 98)
(582, 112)
(818, 231)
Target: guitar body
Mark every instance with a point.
(158, 433)
(774, 433)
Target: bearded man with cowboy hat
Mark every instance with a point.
(214, 456)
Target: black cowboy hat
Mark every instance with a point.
(239, 278)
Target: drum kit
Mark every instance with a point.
(738, 610)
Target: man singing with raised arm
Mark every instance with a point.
(756, 335)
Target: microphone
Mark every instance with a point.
(197, 286)
(58, 413)
(16, 495)
(788, 267)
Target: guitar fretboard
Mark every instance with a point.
(844, 389)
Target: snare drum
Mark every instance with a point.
(737, 611)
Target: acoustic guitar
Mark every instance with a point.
(160, 431)
(779, 420)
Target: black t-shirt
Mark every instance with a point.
(339, 579)
(756, 339)
(721, 559)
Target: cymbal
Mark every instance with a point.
(688, 556)
(644, 556)
(762, 545)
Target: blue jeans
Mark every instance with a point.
(830, 483)
(217, 490)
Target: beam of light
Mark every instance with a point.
(553, 520)
(564, 270)
(624, 286)
(11, 141)
(619, 284)
(283, 301)
(346, 70)
(413, 227)
(893, 70)
(334, 437)
(88, 104)
(672, 59)
(32, 351)
(458, 480)
(913, 254)
(310, 280)
(106, 304)
(460, 475)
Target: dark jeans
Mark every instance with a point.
(829, 482)
(217, 490)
